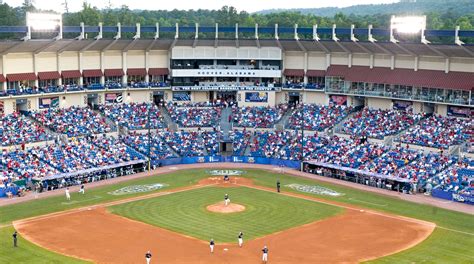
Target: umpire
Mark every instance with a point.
(15, 239)
(278, 185)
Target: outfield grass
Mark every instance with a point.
(443, 246)
(186, 213)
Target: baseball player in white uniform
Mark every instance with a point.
(226, 199)
(265, 254)
(211, 245)
(241, 239)
(68, 195)
(148, 257)
(82, 190)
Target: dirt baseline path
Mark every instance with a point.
(101, 237)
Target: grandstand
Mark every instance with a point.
(395, 112)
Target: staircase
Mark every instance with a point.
(62, 137)
(247, 149)
(283, 122)
(112, 124)
(166, 115)
(224, 123)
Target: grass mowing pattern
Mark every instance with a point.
(93, 196)
(27, 252)
(186, 213)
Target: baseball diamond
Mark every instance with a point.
(196, 135)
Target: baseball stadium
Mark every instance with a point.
(217, 136)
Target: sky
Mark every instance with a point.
(247, 5)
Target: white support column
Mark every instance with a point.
(256, 31)
(4, 65)
(416, 63)
(371, 61)
(305, 66)
(124, 68)
(58, 63)
(35, 68)
(446, 65)
(102, 78)
(81, 65)
(349, 60)
(328, 60)
(392, 62)
(236, 30)
(147, 59)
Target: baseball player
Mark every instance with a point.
(68, 195)
(265, 254)
(211, 245)
(82, 190)
(241, 239)
(148, 257)
(278, 185)
(226, 199)
(15, 239)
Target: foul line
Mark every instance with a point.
(376, 204)
(123, 201)
(199, 186)
(403, 218)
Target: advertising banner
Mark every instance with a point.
(49, 102)
(181, 96)
(256, 97)
(112, 98)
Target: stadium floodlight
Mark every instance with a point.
(43, 22)
(409, 25)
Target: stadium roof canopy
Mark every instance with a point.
(323, 46)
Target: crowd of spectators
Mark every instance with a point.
(458, 178)
(317, 117)
(134, 116)
(73, 121)
(270, 144)
(195, 117)
(159, 149)
(379, 123)
(184, 143)
(240, 141)
(258, 116)
(18, 164)
(439, 132)
(17, 129)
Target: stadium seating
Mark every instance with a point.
(458, 178)
(18, 164)
(258, 117)
(159, 149)
(317, 117)
(134, 116)
(439, 132)
(379, 123)
(195, 117)
(184, 143)
(72, 121)
(240, 141)
(16, 129)
(270, 144)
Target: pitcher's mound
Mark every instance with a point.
(221, 208)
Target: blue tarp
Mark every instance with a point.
(462, 198)
(3, 191)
